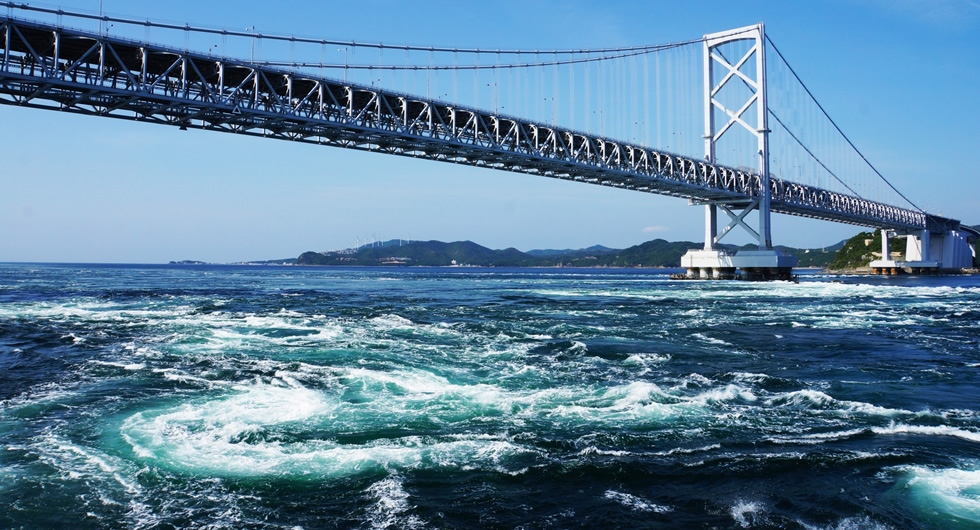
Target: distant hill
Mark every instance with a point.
(814, 257)
(594, 250)
(283, 261)
(656, 253)
(425, 253)
(861, 250)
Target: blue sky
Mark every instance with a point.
(899, 77)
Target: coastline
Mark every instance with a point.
(868, 271)
(857, 271)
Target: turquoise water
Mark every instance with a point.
(268, 397)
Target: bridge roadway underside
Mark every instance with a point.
(49, 67)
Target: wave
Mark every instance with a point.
(748, 514)
(710, 340)
(645, 362)
(390, 505)
(113, 480)
(281, 426)
(819, 401)
(953, 492)
(891, 429)
(130, 367)
(636, 503)
(266, 428)
(850, 523)
(929, 430)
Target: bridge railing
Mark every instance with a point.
(51, 67)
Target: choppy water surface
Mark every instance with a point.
(288, 397)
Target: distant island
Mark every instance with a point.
(656, 253)
(852, 255)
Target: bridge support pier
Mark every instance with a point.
(765, 263)
(716, 263)
(757, 265)
(708, 264)
(927, 252)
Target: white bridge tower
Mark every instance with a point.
(751, 115)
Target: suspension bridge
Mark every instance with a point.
(722, 140)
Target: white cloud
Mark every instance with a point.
(649, 229)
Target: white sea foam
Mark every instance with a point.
(645, 360)
(243, 434)
(710, 340)
(89, 310)
(248, 431)
(930, 430)
(124, 366)
(389, 504)
(112, 479)
(819, 401)
(728, 393)
(637, 402)
(416, 383)
(850, 523)
(391, 321)
(590, 293)
(269, 322)
(173, 374)
(687, 451)
(593, 450)
(636, 503)
(43, 394)
(747, 377)
(748, 513)
(76, 461)
(817, 437)
(695, 380)
(955, 492)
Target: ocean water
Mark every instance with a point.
(290, 397)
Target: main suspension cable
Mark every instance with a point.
(505, 66)
(832, 122)
(306, 40)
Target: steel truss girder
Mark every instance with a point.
(48, 67)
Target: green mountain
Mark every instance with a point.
(656, 253)
(594, 250)
(425, 253)
(818, 258)
(861, 250)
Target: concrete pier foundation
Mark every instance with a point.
(761, 265)
(708, 264)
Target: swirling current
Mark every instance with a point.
(291, 397)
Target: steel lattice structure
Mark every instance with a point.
(50, 67)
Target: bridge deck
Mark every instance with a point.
(45, 66)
